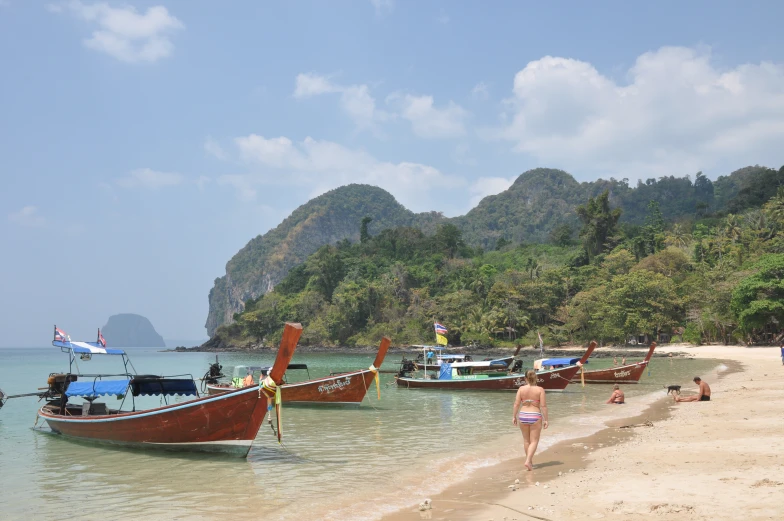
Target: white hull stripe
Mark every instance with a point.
(325, 379)
(134, 415)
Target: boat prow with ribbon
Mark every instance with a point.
(225, 423)
(345, 388)
(621, 374)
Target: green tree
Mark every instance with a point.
(449, 239)
(364, 236)
(561, 235)
(600, 224)
(759, 298)
(640, 302)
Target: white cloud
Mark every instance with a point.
(123, 33)
(243, 185)
(322, 165)
(28, 216)
(310, 84)
(480, 91)
(383, 6)
(678, 113)
(214, 149)
(355, 100)
(201, 182)
(428, 121)
(485, 186)
(150, 179)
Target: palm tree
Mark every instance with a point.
(678, 236)
(733, 228)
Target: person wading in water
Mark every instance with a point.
(530, 413)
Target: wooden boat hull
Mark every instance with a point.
(625, 374)
(225, 423)
(347, 388)
(552, 380)
(340, 389)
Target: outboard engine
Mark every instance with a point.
(58, 383)
(517, 366)
(214, 373)
(406, 367)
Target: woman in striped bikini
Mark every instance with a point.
(530, 413)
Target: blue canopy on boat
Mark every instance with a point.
(92, 348)
(97, 388)
(560, 361)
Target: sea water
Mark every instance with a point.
(349, 462)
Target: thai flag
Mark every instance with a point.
(60, 335)
(440, 329)
(101, 339)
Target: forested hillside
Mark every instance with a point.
(712, 278)
(538, 208)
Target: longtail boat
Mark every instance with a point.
(347, 388)
(225, 423)
(431, 358)
(623, 374)
(459, 376)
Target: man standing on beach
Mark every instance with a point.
(703, 396)
(782, 353)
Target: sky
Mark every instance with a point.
(143, 143)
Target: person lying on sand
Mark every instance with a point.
(617, 395)
(703, 396)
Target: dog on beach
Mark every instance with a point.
(674, 389)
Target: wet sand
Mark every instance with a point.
(718, 460)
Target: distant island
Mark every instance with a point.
(130, 330)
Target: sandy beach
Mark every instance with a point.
(718, 460)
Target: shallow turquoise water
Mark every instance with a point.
(335, 462)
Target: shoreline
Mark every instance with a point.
(622, 466)
(526, 352)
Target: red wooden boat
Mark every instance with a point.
(549, 379)
(344, 388)
(624, 374)
(225, 423)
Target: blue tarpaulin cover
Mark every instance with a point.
(560, 361)
(97, 388)
(446, 372)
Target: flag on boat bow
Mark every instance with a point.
(101, 339)
(60, 335)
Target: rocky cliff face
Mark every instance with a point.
(536, 203)
(327, 219)
(129, 330)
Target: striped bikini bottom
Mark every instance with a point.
(528, 418)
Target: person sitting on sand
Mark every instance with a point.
(248, 380)
(617, 395)
(530, 413)
(704, 392)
